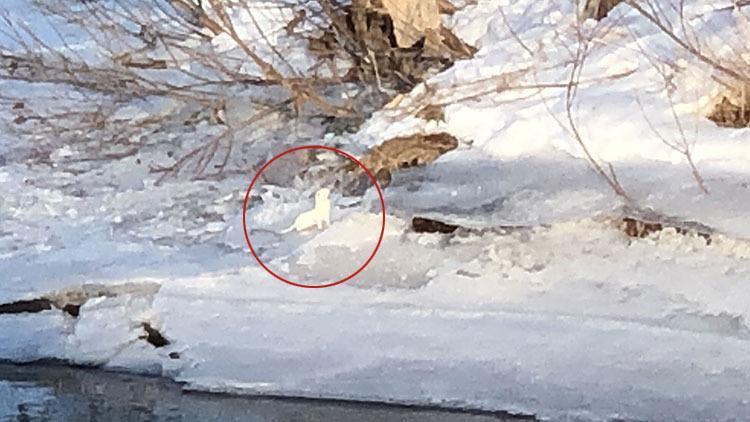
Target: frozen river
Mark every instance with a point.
(57, 393)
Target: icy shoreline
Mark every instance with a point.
(562, 368)
(579, 350)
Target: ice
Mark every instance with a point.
(539, 304)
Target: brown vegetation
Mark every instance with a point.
(143, 51)
(731, 112)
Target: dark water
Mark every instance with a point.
(58, 393)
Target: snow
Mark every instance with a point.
(561, 315)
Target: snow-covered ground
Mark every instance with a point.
(564, 317)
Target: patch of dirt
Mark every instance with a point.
(642, 229)
(33, 306)
(432, 113)
(154, 337)
(25, 306)
(71, 300)
(733, 113)
(431, 225)
(72, 310)
(409, 151)
(641, 223)
(426, 225)
(79, 295)
(634, 223)
(398, 153)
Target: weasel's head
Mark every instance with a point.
(322, 194)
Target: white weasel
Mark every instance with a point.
(317, 217)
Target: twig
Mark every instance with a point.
(570, 94)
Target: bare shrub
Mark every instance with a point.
(723, 62)
(727, 57)
(584, 44)
(184, 62)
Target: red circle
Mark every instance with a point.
(337, 151)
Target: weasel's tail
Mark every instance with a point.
(287, 230)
